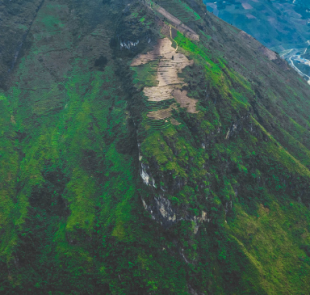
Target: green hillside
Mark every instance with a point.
(147, 147)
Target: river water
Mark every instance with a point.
(293, 57)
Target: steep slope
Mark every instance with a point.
(149, 148)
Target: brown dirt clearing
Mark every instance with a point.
(171, 64)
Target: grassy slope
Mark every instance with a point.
(272, 247)
(72, 221)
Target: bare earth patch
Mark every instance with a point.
(161, 114)
(250, 16)
(185, 102)
(174, 122)
(171, 63)
(246, 6)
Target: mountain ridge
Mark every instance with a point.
(98, 197)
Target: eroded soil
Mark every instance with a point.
(171, 63)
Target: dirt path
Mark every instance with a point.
(188, 32)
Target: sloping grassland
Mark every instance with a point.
(99, 197)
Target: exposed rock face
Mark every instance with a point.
(163, 212)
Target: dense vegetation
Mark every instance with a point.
(225, 209)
